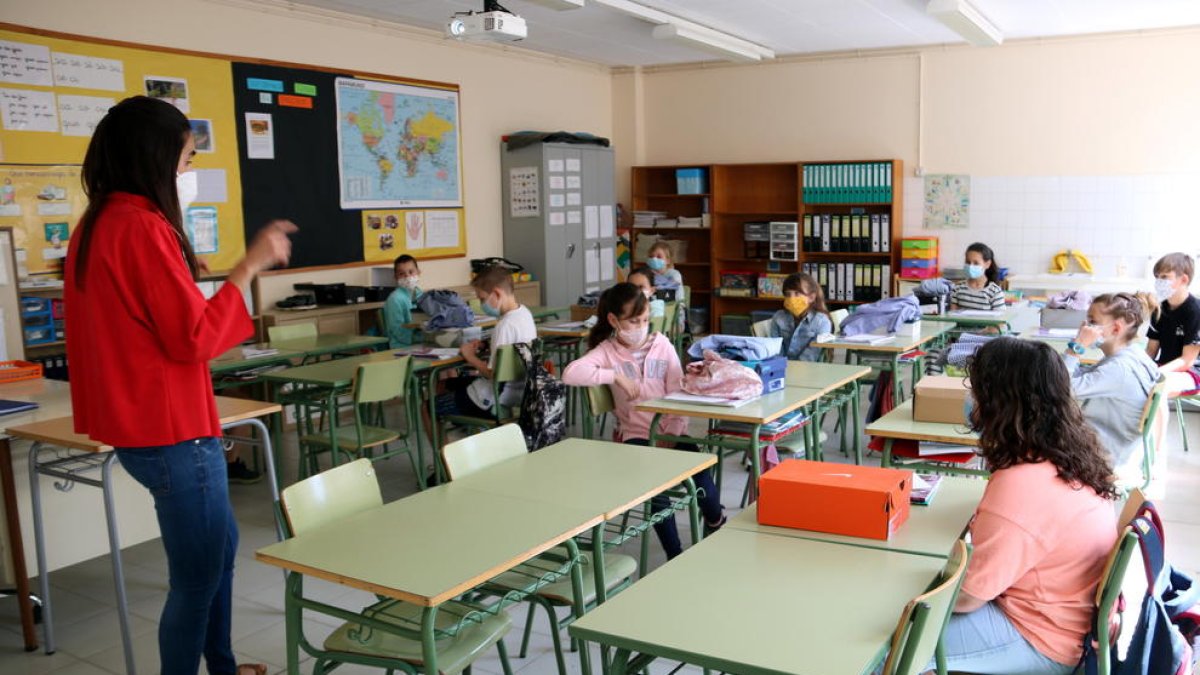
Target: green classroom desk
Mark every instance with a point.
(225, 367)
(479, 535)
(320, 345)
(539, 313)
(902, 344)
(899, 424)
(781, 605)
(930, 530)
(762, 410)
(595, 476)
(839, 381)
(1001, 318)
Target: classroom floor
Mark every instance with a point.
(89, 638)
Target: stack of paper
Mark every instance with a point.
(932, 449)
(784, 426)
(683, 397)
(868, 339)
(254, 351)
(924, 487)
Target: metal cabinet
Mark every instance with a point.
(560, 217)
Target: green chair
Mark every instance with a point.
(1108, 594)
(761, 329)
(1192, 399)
(508, 368)
(384, 634)
(291, 331)
(658, 324)
(485, 449)
(1146, 428)
(919, 631)
(599, 403)
(374, 384)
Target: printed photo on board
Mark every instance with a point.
(202, 135)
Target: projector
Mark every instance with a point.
(497, 26)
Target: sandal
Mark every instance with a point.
(252, 669)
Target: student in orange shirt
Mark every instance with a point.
(1045, 524)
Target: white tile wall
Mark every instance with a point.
(1115, 220)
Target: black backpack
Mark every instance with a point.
(543, 418)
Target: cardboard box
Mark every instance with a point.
(939, 398)
(582, 313)
(857, 501)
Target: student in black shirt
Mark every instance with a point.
(1175, 331)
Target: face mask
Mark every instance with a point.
(409, 282)
(656, 264)
(633, 337)
(796, 305)
(973, 271)
(1163, 289)
(489, 310)
(187, 188)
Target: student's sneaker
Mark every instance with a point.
(241, 474)
(710, 528)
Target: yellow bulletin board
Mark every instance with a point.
(41, 204)
(421, 233)
(83, 80)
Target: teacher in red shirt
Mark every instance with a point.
(139, 337)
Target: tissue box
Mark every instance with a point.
(1063, 318)
(773, 372)
(939, 398)
(857, 501)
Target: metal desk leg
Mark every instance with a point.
(269, 452)
(428, 642)
(897, 388)
(114, 545)
(755, 465)
(693, 509)
(39, 544)
(856, 420)
(17, 548)
(585, 659)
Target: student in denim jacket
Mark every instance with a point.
(803, 317)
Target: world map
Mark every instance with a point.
(398, 145)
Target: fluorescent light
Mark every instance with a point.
(558, 4)
(669, 26)
(965, 19)
(670, 31)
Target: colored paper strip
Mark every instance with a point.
(290, 101)
(258, 84)
(305, 89)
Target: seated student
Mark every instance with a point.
(981, 290)
(1175, 332)
(472, 396)
(803, 317)
(643, 278)
(662, 262)
(1113, 392)
(638, 366)
(397, 311)
(1045, 525)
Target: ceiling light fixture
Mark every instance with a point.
(965, 19)
(558, 4)
(671, 27)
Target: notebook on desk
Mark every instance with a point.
(13, 407)
(682, 397)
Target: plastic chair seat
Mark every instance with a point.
(347, 439)
(618, 568)
(454, 654)
(911, 450)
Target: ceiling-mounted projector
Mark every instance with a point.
(494, 23)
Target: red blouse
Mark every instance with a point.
(140, 334)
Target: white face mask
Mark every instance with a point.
(188, 189)
(409, 282)
(1163, 289)
(632, 337)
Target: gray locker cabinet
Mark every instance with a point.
(554, 245)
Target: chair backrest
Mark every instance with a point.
(761, 329)
(1133, 505)
(382, 380)
(330, 496)
(671, 322)
(482, 450)
(291, 331)
(1108, 593)
(837, 316)
(658, 324)
(921, 623)
(1146, 427)
(508, 365)
(475, 305)
(599, 400)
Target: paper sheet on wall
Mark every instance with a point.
(591, 266)
(414, 230)
(211, 186)
(201, 227)
(441, 229)
(607, 228)
(554, 166)
(574, 217)
(88, 72)
(260, 136)
(607, 267)
(557, 183)
(557, 201)
(574, 182)
(574, 199)
(79, 115)
(591, 222)
(24, 63)
(557, 218)
(573, 164)
(28, 110)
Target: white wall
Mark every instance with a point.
(502, 89)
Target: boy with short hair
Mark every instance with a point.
(1175, 331)
(397, 311)
(473, 395)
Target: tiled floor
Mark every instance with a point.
(89, 639)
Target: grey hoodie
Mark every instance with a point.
(1112, 393)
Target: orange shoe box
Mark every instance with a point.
(858, 501)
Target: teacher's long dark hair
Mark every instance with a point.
(1025, 412)
(134, 149)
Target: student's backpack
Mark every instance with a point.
(543, 418)
(1157, 646)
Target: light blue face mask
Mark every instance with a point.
(656, 264)
(973, 271)
(489, 310)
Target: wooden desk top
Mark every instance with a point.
(899, 423)
(327, 343)
(764, 409)
(432, 546)
(902, 342)
(53, 397)
(824, 376)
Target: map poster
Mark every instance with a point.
(947, 201)
(398, 146)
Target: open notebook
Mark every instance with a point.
(12, 407)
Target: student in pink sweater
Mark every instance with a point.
(638, 366)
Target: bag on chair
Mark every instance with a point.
(543, 418)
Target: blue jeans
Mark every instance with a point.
(191, 498)
(986, 642)
(710, 503)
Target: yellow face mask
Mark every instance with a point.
(796, 305)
